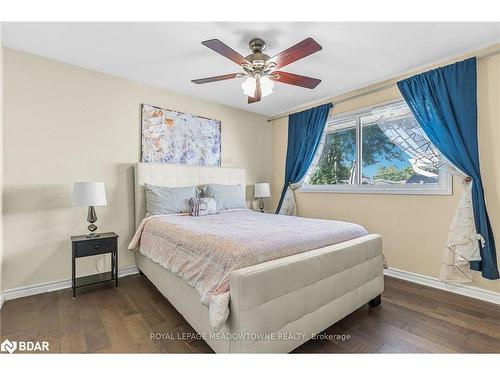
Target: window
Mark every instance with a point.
(377, 150)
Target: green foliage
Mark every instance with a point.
(338, 157)
(376, 146)
(334, 165)
(393, 173)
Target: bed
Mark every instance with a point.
(275, 305)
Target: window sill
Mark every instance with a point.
(345, 189)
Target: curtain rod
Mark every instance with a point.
(372, 91)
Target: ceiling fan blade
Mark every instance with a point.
(226, 51)
(215, 79)
(297, 80)
(257, 95)
(299, 51)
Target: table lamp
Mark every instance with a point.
(261, 190)
(89, 194)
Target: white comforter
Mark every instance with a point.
(204, 250)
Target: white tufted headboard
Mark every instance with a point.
(179, 175)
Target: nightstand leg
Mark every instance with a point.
(116, 268)
(73, 278)
(112, 264)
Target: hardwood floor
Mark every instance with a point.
(411, 319)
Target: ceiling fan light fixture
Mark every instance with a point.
(249, 85)
(262, 71)
(266, 85)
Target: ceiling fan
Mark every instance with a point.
(261, 69)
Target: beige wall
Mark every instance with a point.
(1, 160)
(64, 124)
(414, 227)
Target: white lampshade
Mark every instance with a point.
(88, 194)
(266, 86)
(262, 190)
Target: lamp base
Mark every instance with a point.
(92, 218)
(261, 205)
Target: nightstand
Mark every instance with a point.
(83, 246)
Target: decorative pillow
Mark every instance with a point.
(162, 200)
(228, 196)
(203, 206)
(200, 190)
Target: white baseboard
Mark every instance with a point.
(462, 289)
(26, 291)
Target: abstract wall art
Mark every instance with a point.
(179, 138)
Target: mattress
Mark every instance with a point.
(204, 250)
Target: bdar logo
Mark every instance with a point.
(8, 346)
(24, 346)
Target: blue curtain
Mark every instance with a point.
(444, 103)
(305, 130)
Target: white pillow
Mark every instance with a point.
(203, 206)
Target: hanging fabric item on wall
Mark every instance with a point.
(444, 103)
(462, 245)
(288, 205)
(305, 132)
(404, 131)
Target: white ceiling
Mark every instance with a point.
(169, 55)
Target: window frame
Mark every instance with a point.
(444, 186)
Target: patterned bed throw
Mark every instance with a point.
(204, 250)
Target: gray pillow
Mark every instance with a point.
(162, 200)
(227, 196)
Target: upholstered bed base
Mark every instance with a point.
(278, 305)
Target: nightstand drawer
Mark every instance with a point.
(95, 247)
